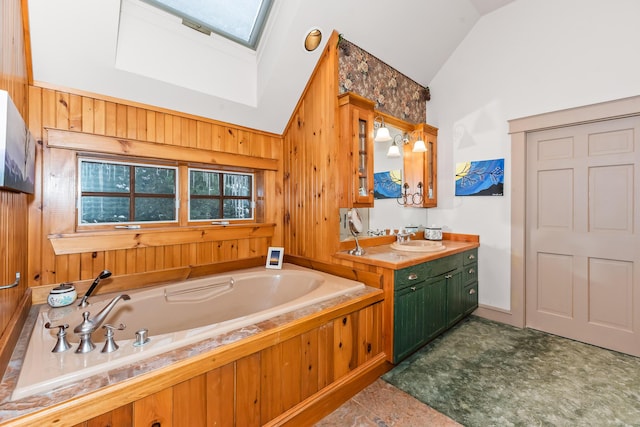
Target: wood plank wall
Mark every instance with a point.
(55, 192)
(13, 206)
(311, 171)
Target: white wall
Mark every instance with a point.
(529, 57)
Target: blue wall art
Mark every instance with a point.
(387, 185)
(480, 178)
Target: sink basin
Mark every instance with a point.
(419, 246)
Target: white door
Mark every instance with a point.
(583, 246)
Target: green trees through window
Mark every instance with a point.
(117, 192)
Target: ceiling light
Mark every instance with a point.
(312, 40)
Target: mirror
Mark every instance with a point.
(356, 227)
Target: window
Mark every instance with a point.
(220, 195)
(114, 192)
(240, 21)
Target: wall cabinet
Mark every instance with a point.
(431, 297)
(356, 142)
(421, 169)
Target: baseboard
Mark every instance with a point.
(321, 404)
(497, 314)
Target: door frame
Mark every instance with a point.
(518, 129)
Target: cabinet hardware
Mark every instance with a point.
(448, 276)
(472, 291)
(413, 288)
(472, 271)
(472, 256)
(412, 276)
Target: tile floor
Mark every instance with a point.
(383, 405)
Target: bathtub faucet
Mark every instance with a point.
(103, 275)
(89, 326)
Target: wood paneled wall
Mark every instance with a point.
(311, 172)
(13, 206)
(54, 209)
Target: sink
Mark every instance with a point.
(419, 246)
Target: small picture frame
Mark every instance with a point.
(274, 257)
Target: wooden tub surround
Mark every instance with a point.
(289, 370)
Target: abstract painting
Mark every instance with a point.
(480, 178)
(387, 185)
(17, 149)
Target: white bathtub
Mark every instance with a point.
(175, 315)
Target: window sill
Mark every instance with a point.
(106, 240)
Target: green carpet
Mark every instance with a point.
(483, 373)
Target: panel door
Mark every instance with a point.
(582, 250)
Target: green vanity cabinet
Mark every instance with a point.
(431, 297)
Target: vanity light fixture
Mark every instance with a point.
(382, 132)
(394, 150)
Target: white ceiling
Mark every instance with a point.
(127, 49)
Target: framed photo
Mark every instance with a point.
(274, 257)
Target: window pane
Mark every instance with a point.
(241, 20)
(155, 209)
(105, 177)
(153, 180)
(237, 185)
(204, 183)
(237, 209)
(204, 209)
(97, 210)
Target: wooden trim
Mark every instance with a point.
(619, 108)
(81, 141)
(13, 330)
(309, 411)
(24, 5)
(101, 97)
(74, 243)
(498, 315)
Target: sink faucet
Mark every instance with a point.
(103, 275)
(89, 326)
(403, 237)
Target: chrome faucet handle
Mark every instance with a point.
(62, 344)
(110, 343)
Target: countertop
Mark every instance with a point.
(385, 256)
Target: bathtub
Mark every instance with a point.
(175, 315)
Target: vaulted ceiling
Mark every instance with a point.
(128, 49)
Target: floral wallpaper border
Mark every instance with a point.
(393, 92)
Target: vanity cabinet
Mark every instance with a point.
(356, 136)
(421, 169)
(431, 297)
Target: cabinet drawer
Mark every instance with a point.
(471, 297)
(470, 256)
(470, 273)
(410, 276)
(442, 265)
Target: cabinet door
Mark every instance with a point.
(420, 169)
(435, 307)
(356, 133)
(455, 297)
(409, 320)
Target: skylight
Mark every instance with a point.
(239, 20)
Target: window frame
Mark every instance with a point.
(132, 163)
(252, 196)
